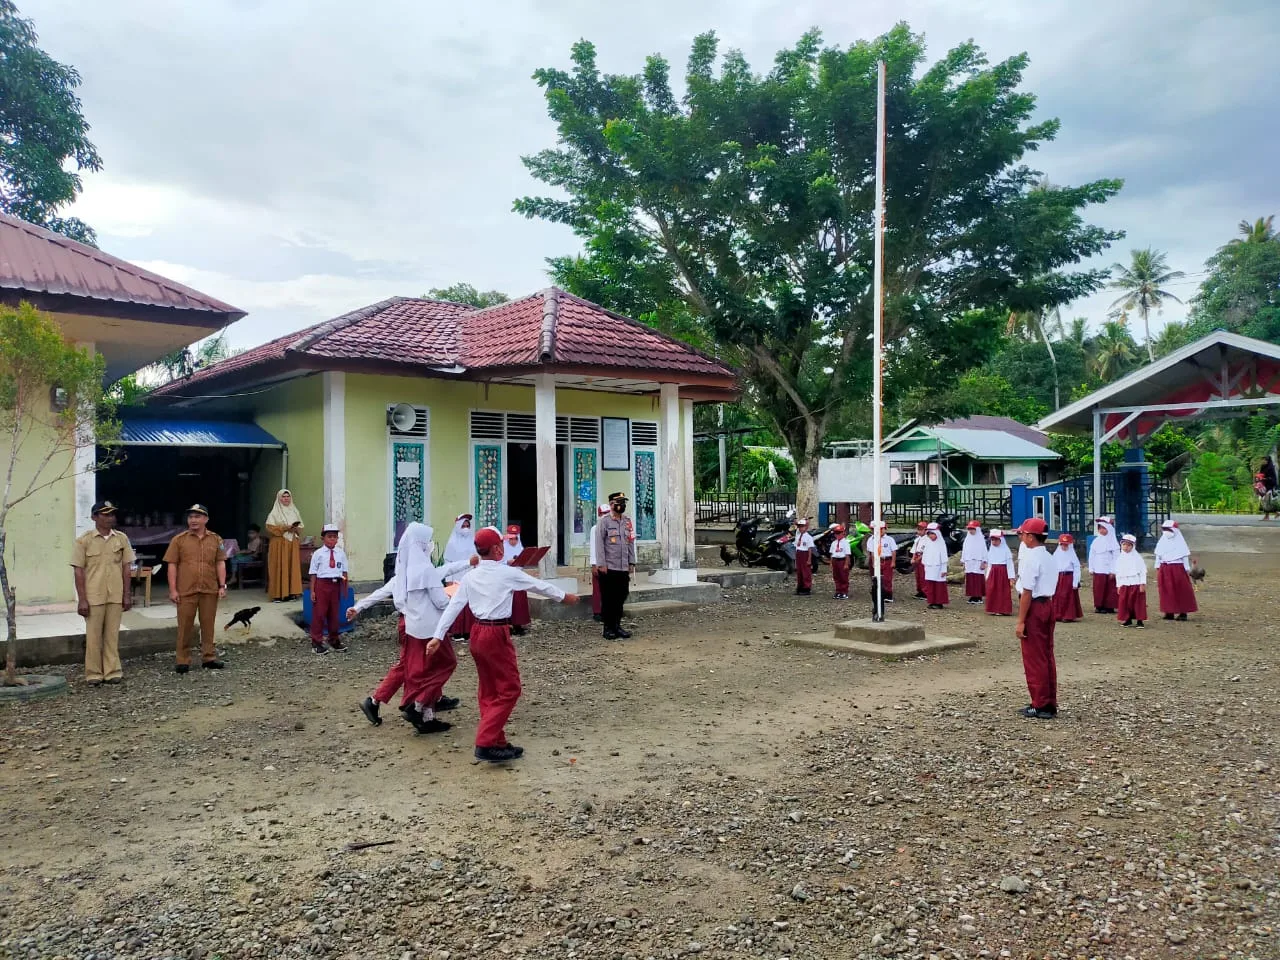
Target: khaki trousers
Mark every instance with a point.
(206, 604)
(102, 643)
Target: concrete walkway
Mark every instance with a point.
(1224, 520)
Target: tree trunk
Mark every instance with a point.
(1053, 360)
(807, 483)
(1146, 329)
(11, 618)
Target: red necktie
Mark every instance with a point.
(332, 562)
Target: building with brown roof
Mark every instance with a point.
(529, 412)
(131, 317)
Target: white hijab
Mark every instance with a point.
(414, 570)
(935, 551)
(509, 550)
(1066, 558)
(282, 516)
(1107, 543)
(999, 554)
(1172, 547)
(975, 548)
(1131, 564)
(462, 542)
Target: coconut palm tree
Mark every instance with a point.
(1173, 336)
(1113, 351)
(1259, 231)
(1037, 326)
(1143, 285)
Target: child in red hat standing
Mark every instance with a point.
(1066, 598)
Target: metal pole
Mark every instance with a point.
(724, 453)
(877, 362)
(1098, 505)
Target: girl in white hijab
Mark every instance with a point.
(1173, 561)
(934, 558)
(1131, 577)
(1104, 551)
(998, 599)
(1066, 598)
(461, 545)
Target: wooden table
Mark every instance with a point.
(143, 574)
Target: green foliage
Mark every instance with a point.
(982, 392)
(1143, 284)
(1077, 454)
(466, 293)
(1242, 290)
(186, 361)
(44, 139)
(1028, 367)
(1112, 353)
(1261, 436)
(744, 210)
(1169, 450)
(1212, 482)
(749, 472)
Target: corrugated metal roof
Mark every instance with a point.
(36, 260)
(993, 445)
(140, 432)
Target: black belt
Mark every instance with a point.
(495, 623)
(1041, 599)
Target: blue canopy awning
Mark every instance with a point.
(146, 432)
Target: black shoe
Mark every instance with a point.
(445, 704)
(338, 645)
(596, 617)
(413, 718)
(369, 707)
(1127, 623)
(1168, 616)
(319, 649)
(212, 665)
(94, 683)
(518, 631)
(622, 634)
(181, 668)
(918, 596)
(935, 606)
(1140, 624)
(433, 726)
(1031, 713)
(610, 634)
(498, 754)
(113, 681)
(518, 750)
(1182, 618)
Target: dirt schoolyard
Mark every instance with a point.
(702, 789)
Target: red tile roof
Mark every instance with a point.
(551, 329)
(38, 261)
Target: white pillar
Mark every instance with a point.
(335, 450)
(1097, 471)
(673, 512)
(84, 478)
(544, 409)
(690, 502)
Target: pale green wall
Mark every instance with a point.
(293, 413)
(40, 531)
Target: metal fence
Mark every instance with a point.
(731, 506)
(992, 506)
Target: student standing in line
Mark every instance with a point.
(1173, 566)
(1131, 581)
(934, 558)
(488, 589)
(1066, 598)
(917, 557)
(328, 586)
(974, 558)
(1037, 579)
(804, 558)
(841, 557)
(1001, 573)
(1103, 553)
(888, 552)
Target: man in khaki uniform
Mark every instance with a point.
(102, 559)
(197, 580)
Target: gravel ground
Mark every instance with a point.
(701, 789)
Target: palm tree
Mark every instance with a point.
(1173, 336)
(1036, 326)
(1142, 282)
(1260, 231)
(1114, 351)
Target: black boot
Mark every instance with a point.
(498, 754)
(445, 704)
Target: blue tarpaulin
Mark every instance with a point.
(140, 432)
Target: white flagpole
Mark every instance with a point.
(877, 388)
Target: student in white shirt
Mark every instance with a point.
(917, 562)
(1104, 551)
(1001, 573)
(974, 558)
(488, 589)
(888, 552)
(841, 554)
(804, 558)
(1037, 580)
(328, 587)
(417, 592)
(934, 558)
(1173, 565)
(1131, 581)
(1066, 597)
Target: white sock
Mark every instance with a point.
(428, 713)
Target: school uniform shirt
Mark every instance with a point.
(421, 608)
(102, 559)
(840, 548)
(1037, 572)
(1172, 548)
(917, 547)
(804, 541)
(974, 554)
(888, 547)
(1001, 556)
(1131, 569)
(934, 558)
(1065, 559)
(329, 563)
(487, 590)
(1104, 551)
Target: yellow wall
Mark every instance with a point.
(293, 413)
(450, 403)
(40, 531)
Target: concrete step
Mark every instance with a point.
(708, 555)
(648, 607)
(730, 577)
(641, 592)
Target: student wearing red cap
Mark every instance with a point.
(1066, 596)
(917, 557)
(804, 558)
(888, 550)
(488, 589)
(841, 557)
(974, 558)
(1001, 573)
(512, 548)
(934, 558)
(1037, 580)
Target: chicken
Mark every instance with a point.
(1197, 572)
(727, 555)
(242, 616)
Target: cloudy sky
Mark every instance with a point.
(300, 158)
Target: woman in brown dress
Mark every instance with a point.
(284, 564)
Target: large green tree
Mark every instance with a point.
(466, 293)
(749, 202)
(44, 138)
(1241, 292)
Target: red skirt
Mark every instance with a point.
(999, 595)
(920, 578)
(520, 609)
(935, 591)
(1177, 596)
(1132, 604)
(1066, 599)
(1105, 594)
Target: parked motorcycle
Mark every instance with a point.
(770, 551)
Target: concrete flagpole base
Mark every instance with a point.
(887, 640)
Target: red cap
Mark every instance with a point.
(974, 525)
(1033, 525)
(486, 539)
(922, 525)
(1066, 538)
(839, 528)
(514, 528)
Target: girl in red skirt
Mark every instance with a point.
(1103, 553)
(841, 556)
(1131, 581)
(935, 568)
(974, 558)
(1066, 599)
(1173, 563)
(1000, 576)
